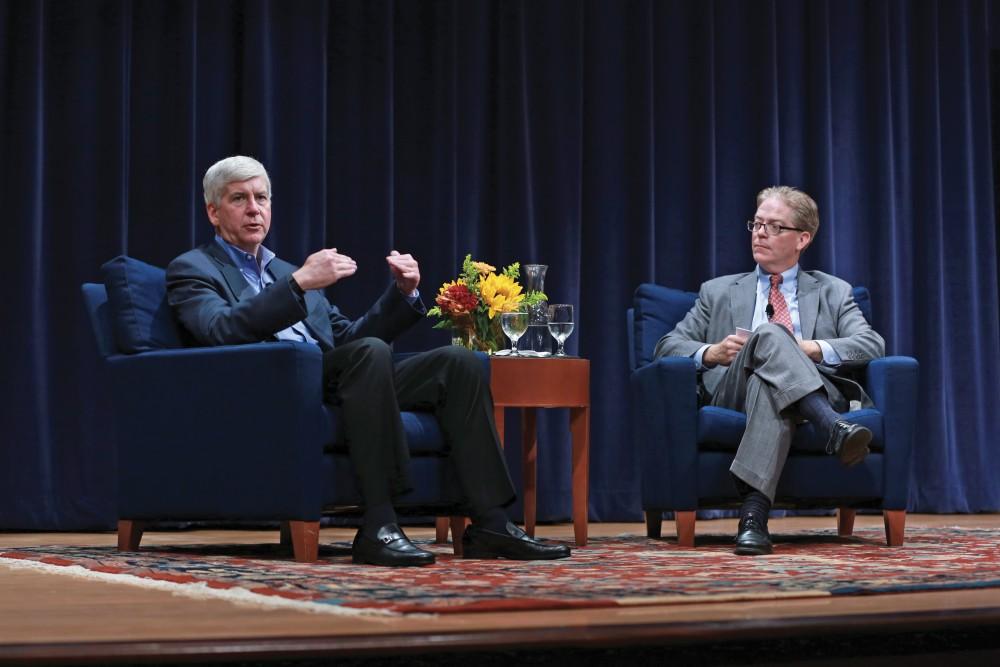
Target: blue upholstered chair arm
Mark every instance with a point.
(665, 421)
(244, 427)
(892, 383)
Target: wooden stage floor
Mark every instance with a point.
(50, 618)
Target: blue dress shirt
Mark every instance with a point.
(254, 270)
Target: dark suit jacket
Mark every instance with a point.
(214, 303)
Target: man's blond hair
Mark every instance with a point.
(802, 205)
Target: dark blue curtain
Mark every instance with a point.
(618, 142)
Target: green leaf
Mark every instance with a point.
(535, 297)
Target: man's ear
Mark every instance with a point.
(213, 214)
(805, 238)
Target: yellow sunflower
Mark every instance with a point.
(500, 293)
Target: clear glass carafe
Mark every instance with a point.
(537, 339)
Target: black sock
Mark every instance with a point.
(757, 504)
(377, 516)
(494, 519)
(816, 408)
(742, 487)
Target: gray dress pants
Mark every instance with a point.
(768, 376)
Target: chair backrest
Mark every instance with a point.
(95, 301)
(656, 310)
(863, 298)
(130, 312)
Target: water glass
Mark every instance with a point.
(514, 324)
(560, 324)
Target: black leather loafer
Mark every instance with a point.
(752, 538)
(391, 548)
(849, 442)
(512, 544)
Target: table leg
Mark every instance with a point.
(529, 460)
(579, 425)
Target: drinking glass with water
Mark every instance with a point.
(514, 324)
(561, 324)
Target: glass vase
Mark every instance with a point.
(537, 339)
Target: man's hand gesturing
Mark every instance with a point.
(324, 268)
(723, 352)
(405, 271)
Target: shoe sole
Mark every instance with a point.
(468, 552)
(752, 551)
(855, 448)
(362, 561)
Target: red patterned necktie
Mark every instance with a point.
(776, 299)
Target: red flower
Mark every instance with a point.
(456, 299)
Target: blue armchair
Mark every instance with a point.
(685, 451)
(195, 441)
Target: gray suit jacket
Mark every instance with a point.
(214, 303)
(827, 311)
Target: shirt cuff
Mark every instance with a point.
(699, 355)
(412, 298)
(830, 357)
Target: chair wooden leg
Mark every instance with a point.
(305, 540)
(458, 524)
(845, 521)
(285, 535)
(654, 523)
(130, 534)
(440, 530)
(895, 524)
(685, 528)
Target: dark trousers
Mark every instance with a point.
(370, 391)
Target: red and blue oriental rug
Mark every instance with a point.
(609, 572)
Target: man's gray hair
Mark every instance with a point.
(805, 209)
(231, 170)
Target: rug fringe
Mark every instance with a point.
(200, 591)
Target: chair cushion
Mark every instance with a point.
(423, 433)
(658, 309)
(137, 296)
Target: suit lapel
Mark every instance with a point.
(238, 286)
(808, 296)
(742, 298)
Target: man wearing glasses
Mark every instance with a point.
(769, 343)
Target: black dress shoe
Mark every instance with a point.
(752, 538)
(391, 547)
(513, 544)
(849, 442)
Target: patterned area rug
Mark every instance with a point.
(608, 572)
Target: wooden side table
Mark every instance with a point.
(531, 383)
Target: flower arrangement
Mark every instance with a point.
(470, 304)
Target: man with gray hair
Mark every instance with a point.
(234, 290)
(769, 343)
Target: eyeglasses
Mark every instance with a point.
(772, 228)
